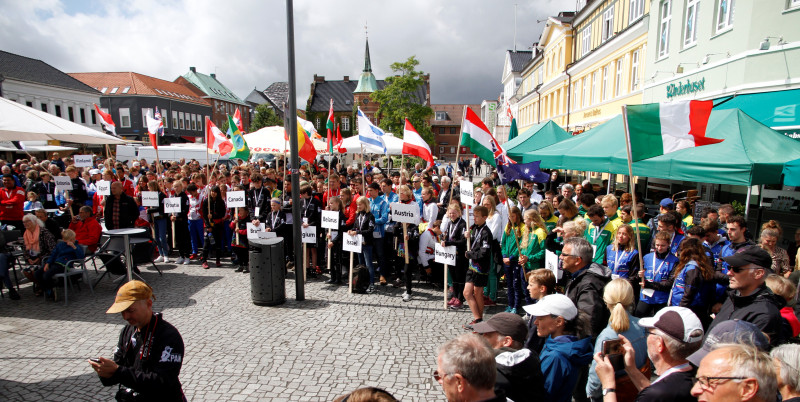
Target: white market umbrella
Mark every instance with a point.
(394, 145)
(22, 123)
(271, 140)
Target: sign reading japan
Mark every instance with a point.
(84, 161)
(149, 198)
(330, 219)
(236, 199)
(310, 234)
(467, 192)
(352, 243)
(104, 187)
(63, 183)
(172, 205)
(405, 213)
(445, 255)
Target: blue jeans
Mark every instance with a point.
(196, 232)
(515, 283)
(380, 258)
(161, 236)
(365, 258)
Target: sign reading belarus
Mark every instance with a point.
(63, 183)
(310, 234)
(467, 192)
(104, 187)
(236, 199)
(351, 243)
(405, 213)
(330, 220)
(445, 255)
(254, 230)
(84, 161)
(172, 205)
(149, 198)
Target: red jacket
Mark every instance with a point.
(11, 204)
(351, 210)
(87, 232)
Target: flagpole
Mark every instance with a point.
(208, 175)
(458, 152)
(632, 184)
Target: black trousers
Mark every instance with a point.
(182, 239)
(218, 235)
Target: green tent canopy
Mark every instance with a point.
(751, 154)
(791, 173)
(537, 137)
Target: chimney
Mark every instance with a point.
(319, 78)
(346, 78)
(192, 69)
(214, 76)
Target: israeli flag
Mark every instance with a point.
(370, 135)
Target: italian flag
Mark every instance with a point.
(476, 136)
(330, 126)
(660, 128)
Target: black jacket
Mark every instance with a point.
(154, 374)
(365, 225)
(519, 375)
(128, 211)
(258, 198)
(481, 251)
(43, 190)
(762, 308)
(275, 221)
(586, 291)
(157, 212)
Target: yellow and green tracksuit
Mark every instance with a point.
(600, 238)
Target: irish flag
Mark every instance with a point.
(413, 144)
(476, 136)
(660, 128)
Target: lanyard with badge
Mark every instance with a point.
(651, 292)
(598, 231)
(274, 217)
(452, 229)
(258, 201)
(617, 258)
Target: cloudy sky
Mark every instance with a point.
(461, 43)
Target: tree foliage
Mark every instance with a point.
(265, 116)
(398, 101)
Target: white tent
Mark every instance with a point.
(19, 122)
(394, 145)
(271, 140)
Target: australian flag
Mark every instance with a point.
(521, 171)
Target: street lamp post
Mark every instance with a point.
(292, 130)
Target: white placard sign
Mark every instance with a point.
(551, 263)
(267, 235)
(84, 161)
(253, 230)
(104, 187)
(236, 199)
(467, 192)
(330, 220)
(445, 255)
(351, 243)
(63, 183)
(149, 198)
(172, 205)
(405, 213)
(310, 234)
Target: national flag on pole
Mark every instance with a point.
(237, 118)
(309, 128)
(370, 135)
(240, 148)
(339, 139)
(508, 111)
(155, 126)
(521, 171)
(106, 120)
(659, 128)
(329, 126)
(476, 136)
(413, 144)
(216, 141)
(305, 146)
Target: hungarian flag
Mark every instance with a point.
(339, 140)
(106, 120)
(237, 118)
(216, 141)
(660, 128)
(240, 148)
(413, 144)
(329, 126)
(305, 146)
(476, 136)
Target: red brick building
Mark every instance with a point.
(446, 128)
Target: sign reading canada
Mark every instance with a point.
(236, 199)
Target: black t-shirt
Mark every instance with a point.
(675, 387)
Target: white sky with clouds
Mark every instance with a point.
(461, 43)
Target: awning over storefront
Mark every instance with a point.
(779, 110)
(537, 137)
(751, 153)
(791, 173)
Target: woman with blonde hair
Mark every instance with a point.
(618, 296)
(622, 256)
(546, 212)
(532, 245)
(770, 235)
(513, 234)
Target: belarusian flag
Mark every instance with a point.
(476, 136)
(660, 128)
(330, 127)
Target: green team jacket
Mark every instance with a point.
(600, 239)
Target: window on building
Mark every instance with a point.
(145, 112)
(594, 88)
(345, 123)
(690, 29)
(126, 89)
(665, 12)
(442, 130)
(114, 90)
(94, 116)
(44, 107)
(724, 14)
(575, 102)
(29, 104)
(441, 150)
(586, 40)
(58, 110)
(584, 87)
(188, 121)
(604, 85)
(164, 117)
(441, 115)
(452, 150)
(82, 113)
(634, 70)
(608, 23)
(124, 117)
(453, 130)
(636, 10)
(794, 3)
(174, 119)
(71, 113)
(618, 79)
(180, 120)
(560, 57)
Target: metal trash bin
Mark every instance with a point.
(267, 277)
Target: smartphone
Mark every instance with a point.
(613, 349)
(95, 360)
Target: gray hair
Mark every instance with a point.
(446, 179)
(676, 348)
(749, 362)
(580, 248)
(33, 219)
(568, 187)
(789, 357)
(471, 356)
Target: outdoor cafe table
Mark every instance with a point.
(125, 233)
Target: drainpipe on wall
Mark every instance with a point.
(569, 92)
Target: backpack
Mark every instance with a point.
(361, 279)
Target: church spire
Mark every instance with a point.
(367, 62)
(367, 82)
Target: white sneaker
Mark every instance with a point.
(165, 260)
(186, 261)
(159, 259)
(406, 297)
(179, 261)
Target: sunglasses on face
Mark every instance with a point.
(738, 270)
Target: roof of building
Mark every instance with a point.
(519, 58)
(340, 91)
(277, 93)
(454, 114)
(257, 97)
(210, 85)
(367, 81)
(130, 83)
(36, 71)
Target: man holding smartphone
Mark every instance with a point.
(149, 354)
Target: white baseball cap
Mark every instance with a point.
(555, 304)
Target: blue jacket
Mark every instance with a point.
(656, 270)
(623, 258)
(380, 210)
(64, 253)
(562, 359)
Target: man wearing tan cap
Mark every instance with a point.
(148, 356)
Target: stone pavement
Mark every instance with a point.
(315, 350)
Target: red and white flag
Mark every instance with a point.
(106, 120)
(339, 140)
(216, 141)
(413, 144)
(237, 118)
